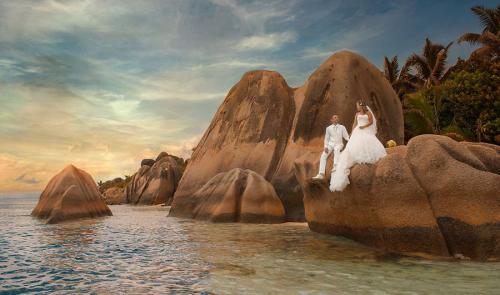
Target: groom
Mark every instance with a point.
(333, 142)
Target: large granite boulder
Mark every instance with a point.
(264, 125)
(234, 196)
(155, 184)
(434, 196)
(70, 194)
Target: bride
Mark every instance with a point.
(362, 147)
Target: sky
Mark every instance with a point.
(103, 84)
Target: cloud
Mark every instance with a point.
(40, 19)
(26, 180)
(236, 64)
(257, 14)
(267, 41)
(184, 149)
(102, 84)
(360, 29)
(316, 53)
(12, 168)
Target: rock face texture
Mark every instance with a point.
(70, 194)
(234, 196)
(157, 183)
(147, 162)
(264, 125)
(114, 196)
(434, 196)
(113, 191)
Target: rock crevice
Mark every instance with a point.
(155, 182)
(239, 195)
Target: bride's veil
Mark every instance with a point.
(372, 127)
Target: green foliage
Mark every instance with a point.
(428, 67)
(467, 104)
(418, 116)
(117, 182)
(489, 38)
(462, 102)
(473, 100)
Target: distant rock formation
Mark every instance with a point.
(114, 196)
(147, 162)
(70, 194)
(264, 125)
(156, 183)
(113, 191)
(234, 196)
(434, 196)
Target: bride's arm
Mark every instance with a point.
(370, 120)
(355, 122)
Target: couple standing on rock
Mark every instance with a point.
(362, 147)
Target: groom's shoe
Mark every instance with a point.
(318, 177)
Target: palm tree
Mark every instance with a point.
(490, 36)
(401, 80)
(419, 116)
(391, 69)
(429, 67)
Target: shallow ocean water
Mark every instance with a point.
(140, 250)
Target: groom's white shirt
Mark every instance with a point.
(334, 134)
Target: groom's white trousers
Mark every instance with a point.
(324, 156)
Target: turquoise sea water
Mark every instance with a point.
(140, 250)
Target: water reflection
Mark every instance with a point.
(140, 250)
(70, 234)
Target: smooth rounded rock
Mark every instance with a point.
(434, 196)
(234, 196)
(70, 194)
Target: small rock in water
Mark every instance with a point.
(70, 194)
(461, 256)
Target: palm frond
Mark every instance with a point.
(406, 86)
(395, 66)
(420, 65)
(490, 39)
(405, 70)
(440, 64)
(419, 104)
(388, 72)
(416, 122)
(391, 69)
(485, 52)
(488, 17)
(431, 51)
(471, 38)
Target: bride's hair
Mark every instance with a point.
(363, 105)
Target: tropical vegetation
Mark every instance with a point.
(461, 101)
(117, 182)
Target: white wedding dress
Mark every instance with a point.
(362, 147)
